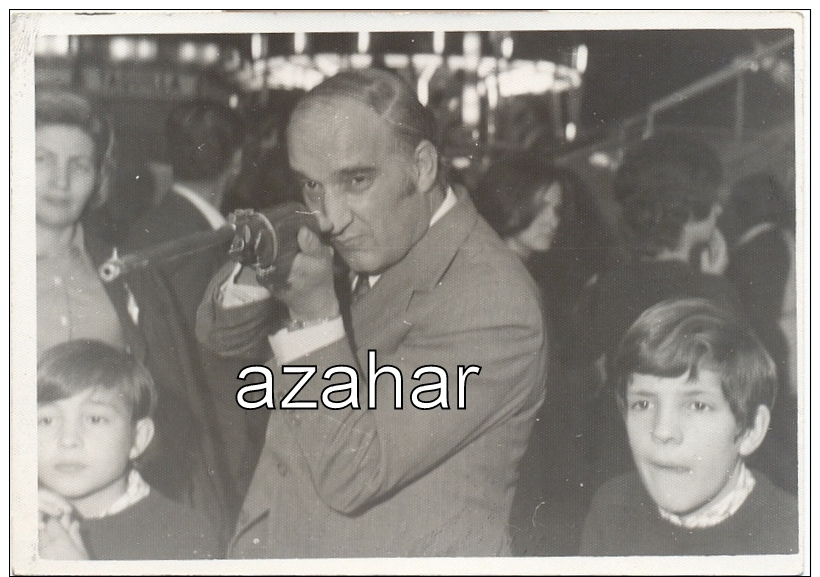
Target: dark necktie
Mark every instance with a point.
(362, 286)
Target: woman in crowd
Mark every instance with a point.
(545, 215)
(72, 166)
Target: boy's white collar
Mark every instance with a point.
(136, 489)
(719, 510)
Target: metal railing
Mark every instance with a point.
(736, 71)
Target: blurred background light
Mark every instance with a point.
(299, 42)
(122, 48)
(52, 46)
(147, 49)
(187, 52)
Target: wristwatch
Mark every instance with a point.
(298, 324)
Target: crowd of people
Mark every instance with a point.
(642, 377)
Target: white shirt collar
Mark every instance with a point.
(213, 216)
(449, 202)
(136, 489)
(754, 232)
(719, 510)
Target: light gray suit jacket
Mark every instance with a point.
(410, 482)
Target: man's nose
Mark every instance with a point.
(335, 215)
(666, 426)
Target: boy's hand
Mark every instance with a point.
(59, 531)
(53, 505)
(60, 539)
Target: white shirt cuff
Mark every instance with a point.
(233, 295)
(290, 345)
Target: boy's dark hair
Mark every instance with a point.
(663, 183)
(74, 366)
(202, 138)
(683, 336)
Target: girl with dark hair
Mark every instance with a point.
(545, 215)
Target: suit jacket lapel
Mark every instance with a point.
(378, 318)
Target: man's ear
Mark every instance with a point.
(143, 433)
(751, 438)
(426, 164)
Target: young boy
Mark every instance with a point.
(94, 406)
(696, 390)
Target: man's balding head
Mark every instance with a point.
(390, 97)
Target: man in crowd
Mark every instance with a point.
(432, 285)
(207, 441)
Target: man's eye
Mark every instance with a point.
(360, 181)
(639, 405)
(312, 190)
(45, 421)
(97, 419)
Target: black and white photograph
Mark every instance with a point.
(417, 292)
